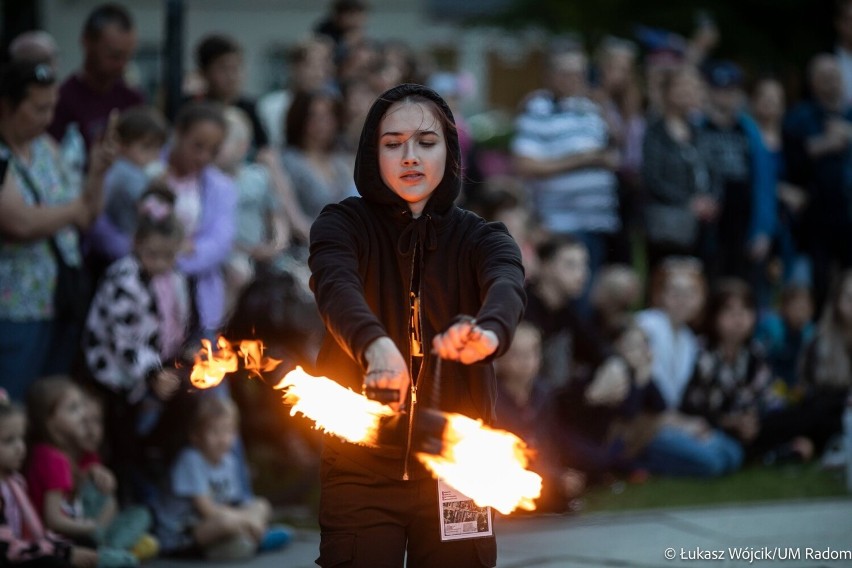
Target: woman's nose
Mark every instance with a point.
(409, 156)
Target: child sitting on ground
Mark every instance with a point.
(204, 511)
(522, 404)
(785, 335)
(56, 406)
(24, 542)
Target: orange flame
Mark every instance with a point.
(211, 367)
(334, 408)
(487, 465)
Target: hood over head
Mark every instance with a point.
(368, 179)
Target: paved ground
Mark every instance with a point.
(798, 535)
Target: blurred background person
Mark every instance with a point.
(320, 173)
(40, 216)
(88, 96)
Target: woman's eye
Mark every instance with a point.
(392, 144)
(427, 143)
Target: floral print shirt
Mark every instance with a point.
(28, 269)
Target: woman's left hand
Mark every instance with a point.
(465, 342)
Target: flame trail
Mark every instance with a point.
(487, 465)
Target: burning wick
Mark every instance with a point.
(211, 366)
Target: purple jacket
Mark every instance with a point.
(212, 242)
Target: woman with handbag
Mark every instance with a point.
(682, 199)
(41, 270)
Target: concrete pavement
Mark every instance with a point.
(804, 534)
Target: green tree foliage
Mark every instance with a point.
(765, 36)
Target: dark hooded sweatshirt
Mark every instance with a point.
(362, 257)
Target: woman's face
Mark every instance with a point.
(768, 100)
(412, 152)
(735, 322)
(35, 113)
(684, 93)
(682, 297)
(196, 147)
(321, 125)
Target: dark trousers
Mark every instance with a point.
(369, 521)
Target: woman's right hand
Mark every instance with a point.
(83, 557)
(386, 369)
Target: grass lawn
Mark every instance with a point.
(753, 484)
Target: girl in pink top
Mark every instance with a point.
(57, 408)
(23, 539)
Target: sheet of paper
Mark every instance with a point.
(460, 517)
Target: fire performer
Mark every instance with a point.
(403, 276)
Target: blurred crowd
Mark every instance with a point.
(686, 234)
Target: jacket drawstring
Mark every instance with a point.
(420, 230)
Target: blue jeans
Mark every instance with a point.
(676, 452)
(25, 349)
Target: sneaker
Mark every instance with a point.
(276, 538)
(146, 547)
(237, 548)
(116, 558)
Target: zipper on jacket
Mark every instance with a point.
(413, 387)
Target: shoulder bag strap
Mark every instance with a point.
(32, 189)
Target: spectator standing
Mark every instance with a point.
(269, 219)
(817, 136)
(319, 172)
(620, 94)
(310, 67)
(563, 147)
(220, 62)
(683, 201)
(141, 134)
(206, 201)
(142, 306)
(743, 168)
(88, 96)
(40, 213)
(768, 105)
(344, 24)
